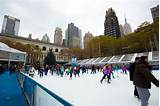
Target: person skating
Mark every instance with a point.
(131, 73)
(52, 69)
(124, 68)
(58, 69)
(68, 70)
(83, 70)
(93, 69)
(98, 67)
(111, 71)
(75, 71)
(31, 71)
(71, 72)
(106, 72)
(46, 69)
(41, 70)
(142, 80)
(62, 70)
(78, 70)
(116, 69)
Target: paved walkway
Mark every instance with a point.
(10, 91)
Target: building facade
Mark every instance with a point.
(111, 24)
(127, 28)
(43, 46)
(87, 37)
(74, 42)
(155, 12)
(73, 36)
(10, 25)
(58, 36)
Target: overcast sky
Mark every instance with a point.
(43, 16)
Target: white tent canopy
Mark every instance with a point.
(6, 48)
(10, 54)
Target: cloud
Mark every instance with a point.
(43, 16)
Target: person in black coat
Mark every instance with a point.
(131, 73)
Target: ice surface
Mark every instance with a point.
(87, 90)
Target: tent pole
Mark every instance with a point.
(24, 60)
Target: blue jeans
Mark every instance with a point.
(144, 95)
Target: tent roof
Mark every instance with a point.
(6, 48)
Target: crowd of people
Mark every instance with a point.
(67, 70)
(139, 72)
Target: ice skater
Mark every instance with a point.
(142, 80)
(106, 72)
(131, 73)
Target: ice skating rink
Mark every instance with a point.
(87, 90)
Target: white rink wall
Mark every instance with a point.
(87, 90)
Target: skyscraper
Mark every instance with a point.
(87, 37)
(58, 36)
(10, 25)
(127, 28)
(73, 36)
(121, 30)
(45, 39)
(111, 24)
(155, 12)
(80, 34)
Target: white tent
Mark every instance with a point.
(6, 48)
(10, 54)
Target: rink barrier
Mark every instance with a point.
(38, 95)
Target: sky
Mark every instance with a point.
(43, 16)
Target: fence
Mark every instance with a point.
(38, 95)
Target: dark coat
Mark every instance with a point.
(131, 71)
(143, 76)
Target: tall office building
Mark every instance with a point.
(58, 36)
(73, 36)
(10, 25)
(121, 30)
(87, 37)
(155, 12)
(45, 39)
(80, 34)
(127, 28)
(111, 24)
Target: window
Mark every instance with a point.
(61, 50)
(56, 50)
(44, 48)
(37, 46)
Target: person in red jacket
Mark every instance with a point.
(142, 80)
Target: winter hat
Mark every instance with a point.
(143, 58)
